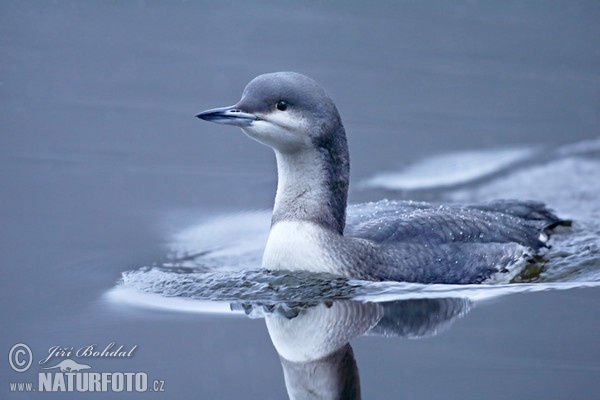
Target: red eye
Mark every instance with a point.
(282, 105)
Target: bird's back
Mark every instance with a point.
(427, 243)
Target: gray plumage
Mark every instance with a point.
(388, 240)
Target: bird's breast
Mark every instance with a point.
(299, 245)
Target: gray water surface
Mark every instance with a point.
(103, 168)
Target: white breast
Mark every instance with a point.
(298, 245)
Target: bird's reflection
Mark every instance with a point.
(312, 339)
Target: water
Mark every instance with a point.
(104, 170)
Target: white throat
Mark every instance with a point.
(300, 185)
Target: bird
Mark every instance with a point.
(313, 228)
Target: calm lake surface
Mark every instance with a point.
(104, 169)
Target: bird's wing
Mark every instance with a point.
(427, 243)
(387, 222)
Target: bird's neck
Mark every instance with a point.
(313, 184)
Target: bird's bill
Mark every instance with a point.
(228, 115)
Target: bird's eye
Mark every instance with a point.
(282, 105)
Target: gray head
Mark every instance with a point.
(284, 110)
(294, 115)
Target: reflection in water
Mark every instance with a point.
(313, 339)
(311, 318)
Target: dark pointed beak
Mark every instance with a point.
(228, 115)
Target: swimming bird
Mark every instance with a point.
(312, 229)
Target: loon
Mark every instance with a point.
(312, 228)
